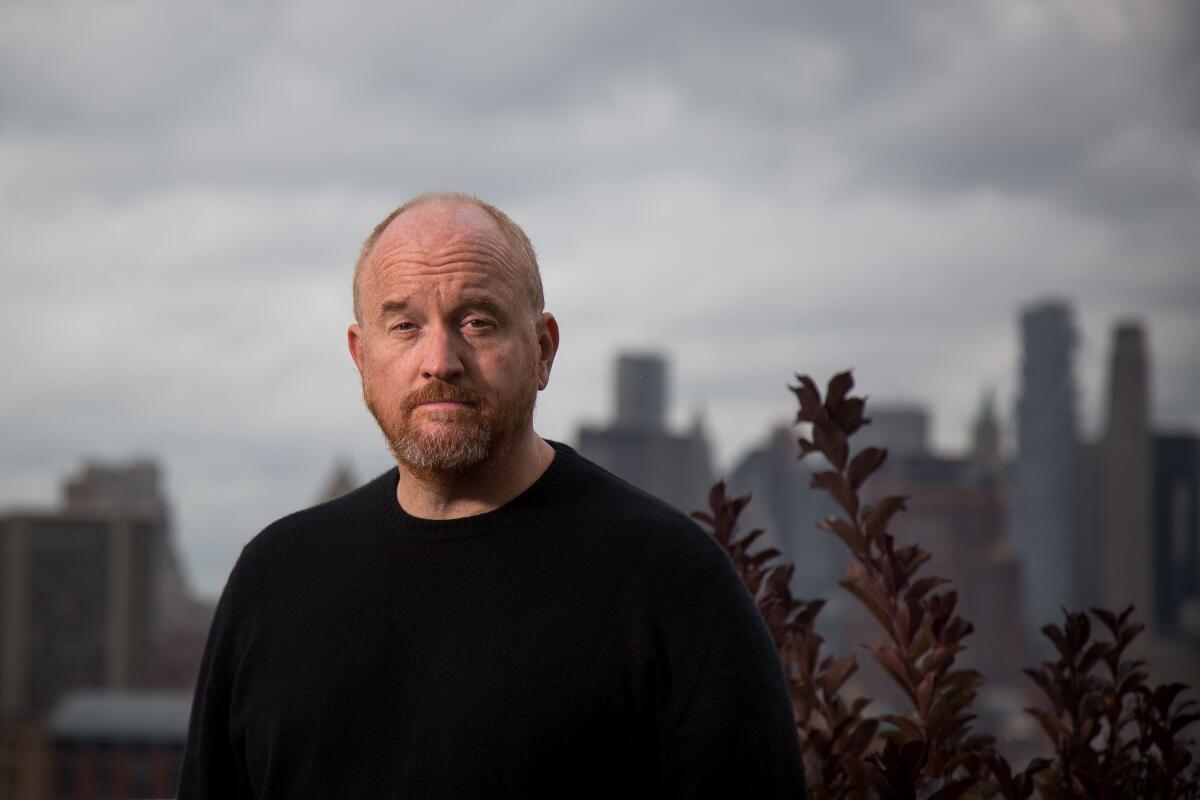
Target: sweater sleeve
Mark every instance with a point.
(728, 728)
(212, 765)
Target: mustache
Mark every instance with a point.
(439, 392)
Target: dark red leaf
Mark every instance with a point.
(850, 415)
(872, 603)
(844, 531)
(806, 447)
(1049, 723)
(922, 587)
(895, 667)
(836, 674)
(909, 730)
(809, 398)
(864, 464)
(831, 441)
(879, 515)
(839, 386)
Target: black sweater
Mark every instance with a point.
(584, 640)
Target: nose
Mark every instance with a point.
(440, 356)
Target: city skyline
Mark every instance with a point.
(337, 470)
(790, 187)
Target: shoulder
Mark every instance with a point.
(307, 534)
(626, 517)
(587, 482)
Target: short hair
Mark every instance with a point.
(521, 247)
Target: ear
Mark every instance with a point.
(547, 339)
(354, 340)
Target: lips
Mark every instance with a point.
(445, 405)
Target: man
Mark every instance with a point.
(497, 616)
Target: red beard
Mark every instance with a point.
(453, 440)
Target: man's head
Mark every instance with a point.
(521, 248)
(450, 337)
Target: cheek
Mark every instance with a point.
(517, 367)
(383, 364)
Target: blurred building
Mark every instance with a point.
(75, 605)
(1138, 501)
(92, 595)
(784, 506)
(24, 762)
(902, 429)
(100, 488)
(1043, 525)
(639, 447)
(106, 744)
(641, 385)
(958, 511)
(1089, 516)
(1176, 551)
(987, 456)
(136, 488)
(1124, 541)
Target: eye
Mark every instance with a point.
(478, 324)
(400, 327)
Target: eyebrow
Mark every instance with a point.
(393, 306)
(484, 304)
(389, 307)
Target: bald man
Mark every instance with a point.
(496, 617)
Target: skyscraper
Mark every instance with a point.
(788, 510)
(76, 596)
(638, 447)
(901, 428)
(986, 455)
(641, 401)
(1177, 536)
(1126, 477)
(91, 594)
(1043, 521)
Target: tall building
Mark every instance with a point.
(987, 457)
(961, 523)
(75, 605)
(641, 402)
(24, 762)
(1043, 521)
(1176, 554)
(92, 595)
(638, 446)
(1126, 477)
(784, 506)
(104, 489)
(901, 428)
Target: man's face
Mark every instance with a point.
(450, 352)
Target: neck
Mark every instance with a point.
(485, 487)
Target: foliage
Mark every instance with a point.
(835, 732)
(1113, 736)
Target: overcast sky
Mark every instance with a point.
(753, 189)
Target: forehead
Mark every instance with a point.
(442, 241)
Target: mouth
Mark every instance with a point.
(445, 405)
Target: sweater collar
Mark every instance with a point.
(400, 522)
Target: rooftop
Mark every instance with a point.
(111, 715)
